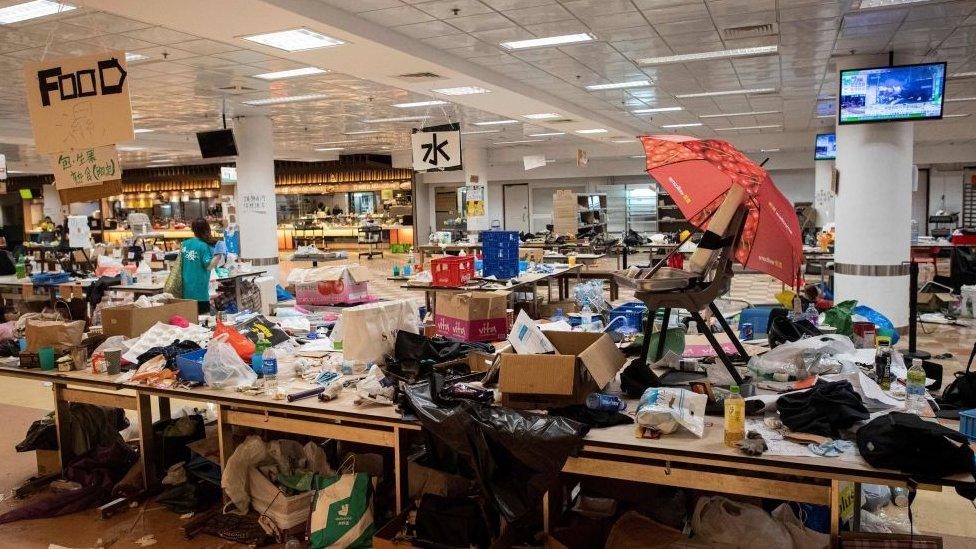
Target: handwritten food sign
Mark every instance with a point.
(82, 167)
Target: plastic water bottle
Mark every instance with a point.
(586, 316)
(914, 231)
(257, 359)
(812, 315)
(735, 417)
(605, 403)
(915, 388)
(269, 364)
(559, 315)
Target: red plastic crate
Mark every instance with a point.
(451, 272)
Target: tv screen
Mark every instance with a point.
(884, 94)
(217, 143)
(826, 146)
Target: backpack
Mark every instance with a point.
(960, 394)
(908, 443)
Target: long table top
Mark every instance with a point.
(681, 446)
(523, 280)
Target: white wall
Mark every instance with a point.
(796, 185)
(948, 184)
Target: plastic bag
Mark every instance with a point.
(721, 521)
(375, 388)
(174, 281)
(885, 327)
(788, 357)
(222, 367)
(243, 346)
(839, 316)
(234, 478)
(665, 408)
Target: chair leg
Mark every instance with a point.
(662, 334)
(648, 332)
(703, 327)
(728, 331)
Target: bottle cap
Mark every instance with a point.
(734, 389)
(916, 362)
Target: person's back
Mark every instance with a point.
(195, 265)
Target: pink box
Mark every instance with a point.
(487, 329)
(334, 285)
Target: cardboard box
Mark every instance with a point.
(131, 321)
(331, 285)
(584, 362)
(48, 462)
(547, 310)
(935, 302)
(532, 254)
(472, 316)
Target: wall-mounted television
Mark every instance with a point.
(885, 94)
(826, 146)
(217, 143)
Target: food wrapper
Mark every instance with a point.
(663, 409)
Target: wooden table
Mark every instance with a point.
(584, 259)
(679, 459)
(528, 281)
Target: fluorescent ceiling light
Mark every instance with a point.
(285, 99)
(593, 130)
(622, 141)
(735, 129)
(431, 103)
(868, 4)
(129, 148)
(517, 142)
(14, 171)
(496, 122)
(619, 85)
(657, 109)
(542, 116)
(471, 132)
(963, 74)
(726, 92)
(292, 73)
(833, 115)
(709, 55)
(295, 40)
(960, 99)
(142, 130)
(753, 113)
(31, 10)
(560, 40)
(330, 149)
(394, 119)
(131, 57)
(956, 115)
(688, 125)
(769, 150)
(461, 90)
(547, 134)
(343, 142)
(637, 156)
(360, 132)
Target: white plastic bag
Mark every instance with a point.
(250, 453)
(368, 331)
(721, 521)
(223, 368)
(664, 408)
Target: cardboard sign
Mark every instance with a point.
(84, 167)
(79, 233)
(90, 192)
(437, 148)
(79, 102)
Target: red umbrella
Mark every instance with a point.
(698, 173)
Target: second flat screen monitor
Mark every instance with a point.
(884, 94)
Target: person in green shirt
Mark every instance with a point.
(197, 261)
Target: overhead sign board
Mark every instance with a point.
(79, 102)
(84, 167)
(437, 148)
(228, 175)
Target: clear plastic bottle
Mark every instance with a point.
(586, 317)
(269, 364)
(735, 417)
(605, 403)
(915, 388)
(914, 231)
(559, 315)
(812, 315)
(257, 359)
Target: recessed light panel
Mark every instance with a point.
(301, 39)
(286, 99)
(709, 55)
(561, 40)
(591, 131)
(726, 92)
(461, 90)
(496, 122)
(657, 109)
(432, 103)
(31, 10)
(292, 73)
(619, 85)
(542, 116)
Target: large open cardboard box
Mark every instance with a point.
(131, 321)
(584, 362)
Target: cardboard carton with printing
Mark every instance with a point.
(472, 316)
(133, 321)
(331, 285)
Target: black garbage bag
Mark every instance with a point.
(515, 455)
(170, 352)
(41, 435)
(173, 435)
(410, 350)
(451, 522)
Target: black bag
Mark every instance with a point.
(908, 443)
(452, 522)
(960, 394)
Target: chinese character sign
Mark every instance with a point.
(83, 167)
(437, 148)
(79, 102)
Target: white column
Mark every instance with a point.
(475, 165)
(257, 214)
(873, 216)
(823, 196)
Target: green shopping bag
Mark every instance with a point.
(839, 316)
(342, 511)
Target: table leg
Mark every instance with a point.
(400, 464)
(146, 438)
(225, 435)
(834, 513)
(164, 408)
(61, 424)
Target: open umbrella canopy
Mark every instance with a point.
(698, 173)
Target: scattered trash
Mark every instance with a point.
(146, 541)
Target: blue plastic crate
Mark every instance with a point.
(500, 250)
(633, 313)
(758, 317)
(191, 365)
(967, 424)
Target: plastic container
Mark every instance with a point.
(735, 417)
(758, 317)
(500, 250)
(633, 314)
(451, 272)
(967, 423)
(191, 365)
(46, 358)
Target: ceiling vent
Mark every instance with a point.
(237, 89)
(419, 76)
(750, 31)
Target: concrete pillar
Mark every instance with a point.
(257, 213)
(873, 216)
(823, 196)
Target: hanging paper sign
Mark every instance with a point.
(79, 102)
(3, 167)
(437, 148)
(84, 167)
(534, 161)
(79, 233)
(582, 159)
(475, 200)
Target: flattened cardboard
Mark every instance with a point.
(131, 321)
(90, 193)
